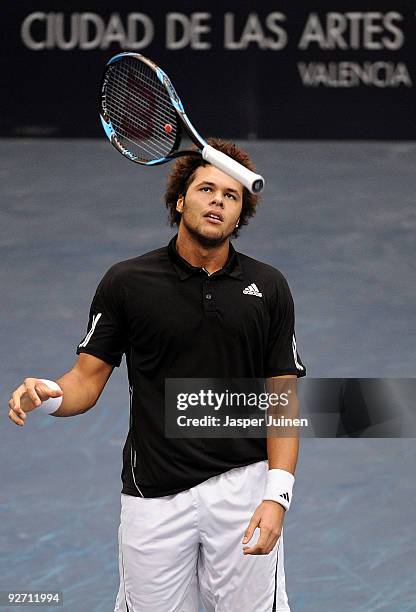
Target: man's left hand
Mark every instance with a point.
(268, 516)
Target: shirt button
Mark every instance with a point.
(208, 296)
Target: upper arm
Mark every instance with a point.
(282, 358)
(282, 384)
(93, 372)
(107, 335)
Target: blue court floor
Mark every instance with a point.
(338, 219)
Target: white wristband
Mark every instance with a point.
(52, 404)
(279, 487)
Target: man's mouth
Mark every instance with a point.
(214, 217)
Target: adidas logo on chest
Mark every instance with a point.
(252, 290)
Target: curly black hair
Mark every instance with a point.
(183, 173)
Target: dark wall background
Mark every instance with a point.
(274, 69)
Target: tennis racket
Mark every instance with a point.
(145, 120)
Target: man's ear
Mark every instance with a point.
(179, 204)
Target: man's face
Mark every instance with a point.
(212, 206)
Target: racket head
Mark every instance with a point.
(143, 117)
(140, 110)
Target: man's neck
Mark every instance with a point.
(211, 259)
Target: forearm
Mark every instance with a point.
(283, 441)
(79, 394)
(283, 453)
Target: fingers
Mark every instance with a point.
(17, 417)
(15, 399)
(266, 542)
(253, 524)
(31, 391)
(16, 413)
(44, 392)
(28, 396)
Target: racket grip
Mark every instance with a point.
(254, 182)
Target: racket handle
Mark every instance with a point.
(254, 182)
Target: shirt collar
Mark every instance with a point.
(184, 269)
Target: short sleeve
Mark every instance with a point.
(106, 336)
(282, 356)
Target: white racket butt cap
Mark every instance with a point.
(254, 182)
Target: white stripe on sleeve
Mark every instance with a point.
(87, 338)
(295, 354)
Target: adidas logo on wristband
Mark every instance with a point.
(279, 486)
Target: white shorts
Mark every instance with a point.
(174, 548)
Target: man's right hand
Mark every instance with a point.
(28, 396)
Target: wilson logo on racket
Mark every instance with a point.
(142, 127)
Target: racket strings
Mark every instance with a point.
(140, 110)
(143, 131)
(145, 75)
(141, 99)
(134, 128)
(134, 75)
(125, 119)
(119, 96)
(153, 82)
(149, 145)
(125, 83)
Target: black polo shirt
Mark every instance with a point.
(173, 320)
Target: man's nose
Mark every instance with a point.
(218, 198)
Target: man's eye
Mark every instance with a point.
(230, 195)
(205, 188)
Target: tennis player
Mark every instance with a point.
(198, 516)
